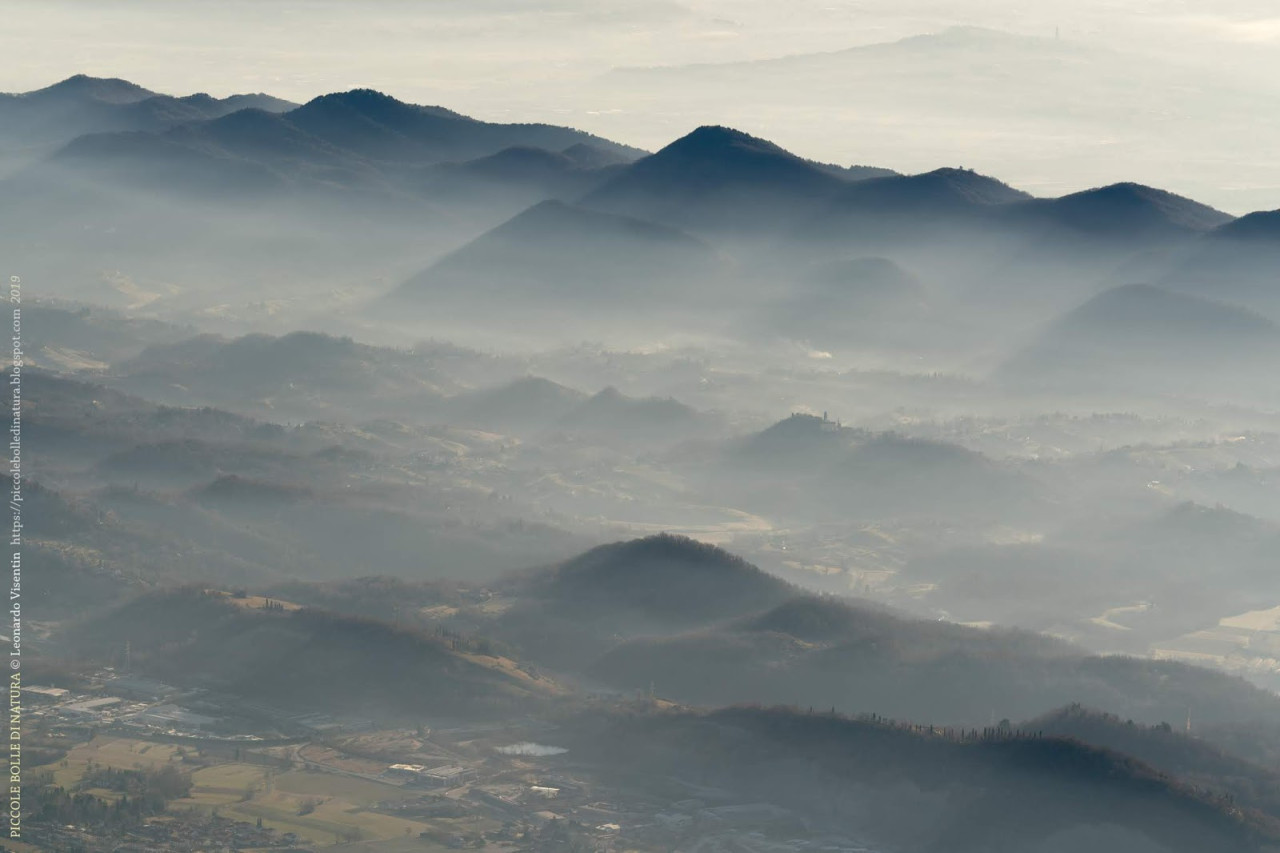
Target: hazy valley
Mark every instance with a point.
(712, 498)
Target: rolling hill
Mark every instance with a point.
(1140, 337)
(291, 658)
(1236, 263)
(859, 658)
(565, 615)
(529, 402)
(850, 303)
(557, 254)
(905, 787)
(301, 374)
(810, 465)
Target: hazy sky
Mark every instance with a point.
(506, 59)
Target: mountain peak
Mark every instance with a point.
(712, 139)
(1264, 225)
(372, 104)
(716, 178)
(1169, 312)
(355, 96)
(1130, 207)
(106, 89)
(940, 188)
(667, 578)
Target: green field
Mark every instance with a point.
(335, 805)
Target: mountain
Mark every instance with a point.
(567, 614)
(1236, 262)
(661, 580)
(813, 467)
(552, 173)
(941, 190)
(82, 104)
(362, 140)
(539, 405)
(379, 127)
(1051, 98)
(870, 783)
(555, 253)
(799, 442)
(1263, 225)
(289, 657)
(243, 147)
(893, 474)
(82, 87)
(908, 209)
(849, 303)
(527, 402)
(589, 156)
(155, 163)
(216, 107)
(1172, 751)
(860, 658)
(1124, 211)
(611, 413)
(264, 137)
(1139, 337)
(717, 179)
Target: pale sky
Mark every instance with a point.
(1172, 92)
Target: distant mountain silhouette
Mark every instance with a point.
(1262, 226)
(523, 163)
(159, 163)
(83, 104)
(110, 90)
(233, 103)
(362, 140)
(263, 137)
(808, 466)
(864, 659)
(1236, 262)
(716, 179)
(848, 303)
(1142, 315)
(569, 614)
(801, 441)
(537, 172)
(613, 413)
(287, 658)
(661, 580)
(590, 156)
(560, 252)
(1125, 211)
(1139, 336)
(379, 127)
(907, 208)
(530, 401)
(939, 190)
